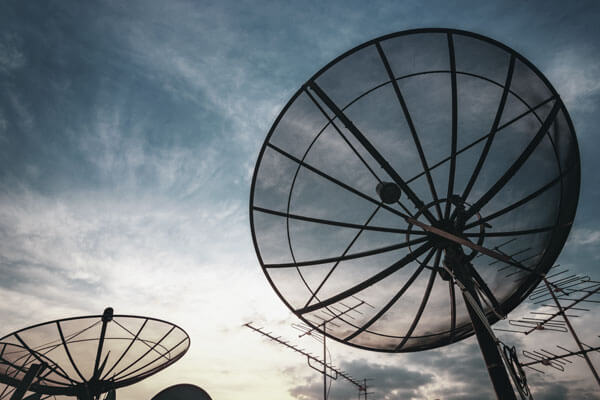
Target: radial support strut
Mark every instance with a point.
(459, 266)
(32, 373)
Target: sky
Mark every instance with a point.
(129, 132)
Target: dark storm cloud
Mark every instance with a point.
(386, 382)
(464, 365)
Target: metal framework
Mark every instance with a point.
(564, 296)
(327, 369)
(405, 155)
(85, 357)
(20, 367)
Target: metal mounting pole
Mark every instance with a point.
(454, 260)
(33, 371)
(324, 361)
(564, 315)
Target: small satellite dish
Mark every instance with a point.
(93, 355)
(182, 391)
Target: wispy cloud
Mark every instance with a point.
(575, 72)
(584, 237)
(11, 56)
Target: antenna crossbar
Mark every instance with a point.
(334, 372)
(541, 356)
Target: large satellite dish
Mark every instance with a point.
(93, 355)
(409, 163)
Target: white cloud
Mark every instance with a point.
(188, 263)
(575, 72)
(584, 237)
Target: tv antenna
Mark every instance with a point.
(562, 296)
(90, 357)
(396, 173)
(317, 331)
(327, 369)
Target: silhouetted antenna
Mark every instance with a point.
(564, 292)
(554, 360)
(327, 317)
(572, 289)
(330, 314)
(314, 362)
(363, 391)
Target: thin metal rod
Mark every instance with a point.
(452, 170)
(338, 130)
(570, 354)
(424, 301)
(510, 233)
(304, 353)
(573, 333)
(493, 131)
(54, 369)
(64, 342)
(324, 361)
(411, 125)
(346, 250)
(517, 203)
(428, 228)
(333, 180)
(135, 338)
(570, 306)
(33, 371)
(153, 348)
(452, 309)
(394, 299)
(371, 149)
(372, 280)
(471, 245)
(345, 257)
(165, 355)
(523, 157)
(481, 139)
(335, 223)
(106, 318)
(484, 288)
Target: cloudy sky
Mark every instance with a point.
(128, 137)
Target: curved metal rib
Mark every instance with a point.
(365, 284)
(393, 300)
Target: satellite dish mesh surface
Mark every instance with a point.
(182, 391)
(94, 354)
(396, 151)
(14, 364)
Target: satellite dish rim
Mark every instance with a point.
(514, 300)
